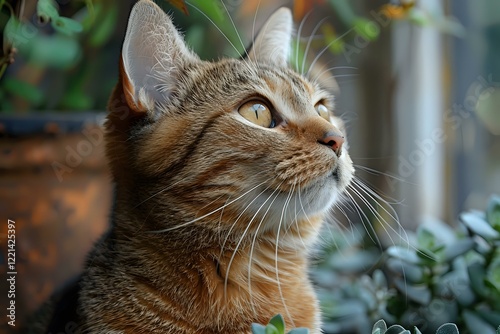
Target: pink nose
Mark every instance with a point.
(333, 140)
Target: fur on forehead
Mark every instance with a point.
(155, 56)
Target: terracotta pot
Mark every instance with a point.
(55, 186)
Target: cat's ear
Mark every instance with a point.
(272, 44)
(153, 56)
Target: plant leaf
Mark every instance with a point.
(475, 324)
(366, 29)
(67, 26)
(104, 26)
(493, 212)
(479, 226)
(397, 329)
(258, 329)
(448, 328)
(270, 329)
(411, 272)
(299, 330)
(47, 10)
(492, 317)
(456, 249)
(419, 294)
(380, 325)
(476, 275)
(404, 254)
(278, 322)
(24, 90)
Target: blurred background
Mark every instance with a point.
(417, 82)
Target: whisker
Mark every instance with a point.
(241, 238)
(276, 256)
(309, 44)
(235, 29)
(158, 193)
(210, 213)
(326, 48)
(222, 33)
(251, 251)
(377, 215)
(297, 38)
(361, 214)
(373, 195)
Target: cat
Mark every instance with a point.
(224, 174)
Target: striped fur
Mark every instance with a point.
(214, 216)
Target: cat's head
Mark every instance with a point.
(246, 144)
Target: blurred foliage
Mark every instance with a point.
(66, 52)
(380, 327)
(441, 275)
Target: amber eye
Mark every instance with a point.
(257, 113)
(323, 111)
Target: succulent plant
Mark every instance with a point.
(444, 275)
(380, 327)
(276, 326)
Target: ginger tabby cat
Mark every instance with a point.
(225, 172)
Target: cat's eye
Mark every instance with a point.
(258, 113)
(322, 110)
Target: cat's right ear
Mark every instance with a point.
(153, 57)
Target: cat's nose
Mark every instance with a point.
(333, 140)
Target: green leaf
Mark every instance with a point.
(493, 275)
(412, 273)
(299, 330)
(26, 91)
(55, 51)
(270, 329)
(367, 29)
(475, 324)
(498, 330)
(456, 249)
(492, 317)
(425, 238)
(476, 276)
(397, 329)
(77, 100)
(19, 34)
(405, 254)
(47, 10)
(104, 27)
(493, 212)
(258, 329)
(448, 329)
(479, 226)
(278, 322)
(418, 294)
(416, 330)
(380, 325)
(67, 26)
(428, 257)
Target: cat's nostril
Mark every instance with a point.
(333, 140)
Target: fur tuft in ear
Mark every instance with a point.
(272, 44)
(153, 56)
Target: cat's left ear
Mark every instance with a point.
(272, 44)
(154, 56)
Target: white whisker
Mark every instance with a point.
(210, 213)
